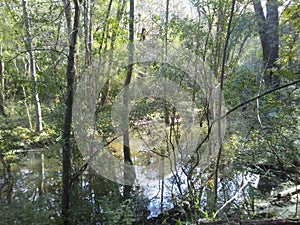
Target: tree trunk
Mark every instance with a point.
(70, 75)
(105, 29)
(166, 111)
(120, 13)
(220, 103)
(2, 111)
(128, 176)
(269, 37)
(88, 35)
(105, 90)
(41, 166)
(27, 108)
(28, 43)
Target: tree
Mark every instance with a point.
(88, 6)
(70, 75)
(128, 175)
(219, 108)
(2, 112)
(32, 65)
(269, 36)
(200, 189)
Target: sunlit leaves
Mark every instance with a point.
(289, 52)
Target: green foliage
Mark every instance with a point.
(105, 205)
(104, 125)
(41, 212)
(289, 51)
(262, 137)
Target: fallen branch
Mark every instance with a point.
(286, 194)
(255, 222)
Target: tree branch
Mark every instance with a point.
(258, 97)
(36, 49)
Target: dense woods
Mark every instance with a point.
(149, 112)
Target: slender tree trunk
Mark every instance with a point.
(27, 108)
(220, 128)
(41, 173)
(10, 185)
(105, 29)
(105, 90)
(2, 112)
(88, 35)
(166, 111)
(38, 112)
(70, 75)
(128, 176)
(120, 13)
(269, 36)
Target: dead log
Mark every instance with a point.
(255, 222)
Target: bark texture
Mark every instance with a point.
(70, 75)
(2, 112)
(268, 26)
(32, 65)
(128, 175)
